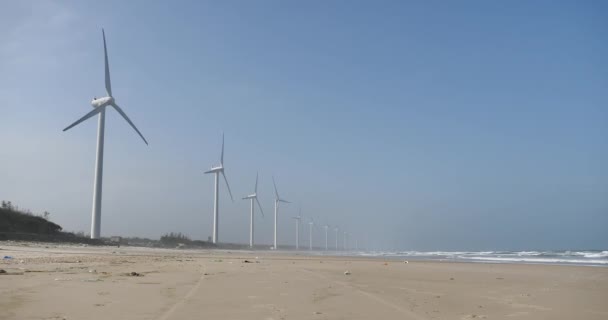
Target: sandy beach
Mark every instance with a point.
(50, 281)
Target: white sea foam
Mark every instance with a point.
(540, 260)
(544, 257)
(603, 254)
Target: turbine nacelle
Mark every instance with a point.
(102, 102)
(215, 169)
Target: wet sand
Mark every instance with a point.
(48, 281)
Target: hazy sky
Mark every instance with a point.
(470, 125)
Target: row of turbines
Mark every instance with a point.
(99, 108)
(253, 198)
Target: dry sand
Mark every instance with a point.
(71, 282)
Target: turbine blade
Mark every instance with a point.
(275, 188)
(124, 115)
(222, 155)
(227, 185)
(281, 200)
(105, 53)
(86, 116)
(259, 206)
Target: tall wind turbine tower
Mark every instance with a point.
(253, 197)
(298, 218)
(277, 200)
(336, 230)
(217, 171)
(311, 223)
(99, 107)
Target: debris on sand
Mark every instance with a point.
(135, 274)
(406, 261)
(2, 271)
(8, 257)
(346, 272)
(247, 261)
(63, 279)
(92, 280)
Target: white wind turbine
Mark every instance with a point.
(277, 200)
(253, 197)
(336, 230)
(99, 107)
(311, 223)
(298, 218)
(217, 171)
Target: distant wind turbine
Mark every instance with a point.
(298, 218)
(336, 230)
(253, 197)
(217, 171)
(99, 105)
(277, 200)
(311, 223)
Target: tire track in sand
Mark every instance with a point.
(183, 300)
(369, 295)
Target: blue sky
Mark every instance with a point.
(426, 125)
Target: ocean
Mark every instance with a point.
(583, 257)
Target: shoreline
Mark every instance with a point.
(66, 247)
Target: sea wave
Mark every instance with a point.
(582, 257)
(540, 260)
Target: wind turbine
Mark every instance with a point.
(298, 218)
(326, 228)
(277, 200)
(336, 230)
(253, 197)
(217, 171)
(99, 107)
(311, 223)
